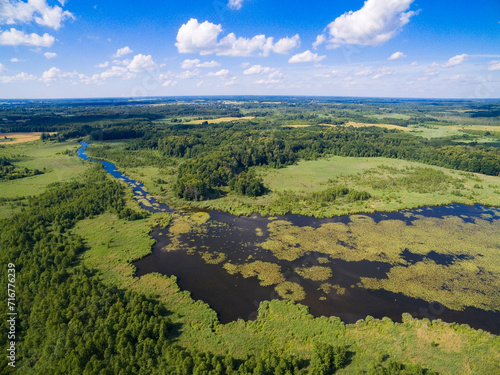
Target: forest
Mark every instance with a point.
(73, 320)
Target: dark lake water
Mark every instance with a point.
(233, 296)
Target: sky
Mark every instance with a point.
(372, 48)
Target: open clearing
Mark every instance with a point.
(13, 138)
(219, 120)
(47, 157)
(393, 185)
(386, 126)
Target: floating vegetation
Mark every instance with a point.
(213, 258)
(145, 202)
(315, 273)
(327, 288)
(200, 217)
(267, 273)
(259, 232)
(323, 260)
(457, 260)
(290, 290)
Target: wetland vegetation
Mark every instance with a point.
(374, 279)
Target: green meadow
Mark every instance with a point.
(58, 161)
(393, 185)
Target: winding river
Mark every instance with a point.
(237, 240)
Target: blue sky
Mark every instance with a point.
(390, 48)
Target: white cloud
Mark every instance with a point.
(189, 64)
(2, 67)
(18, 77)
(257, 69)
(285, 45)
(208, 64)
(494, 65)
(220, 73)
(396, 56)
(124, 62)
(232, 46)
(15, 37)
(414, 63)
(16, 11)
(189, 74)
(382, 74)
(364, 72)
(54, 74)
(194, 37)
(113, 72)
(235, 4)
(267, 81)
(141, 63)
(455, 60)
(50, 55)
(122, 51)
(306, 56)
(374, 24)
(103, 65)
(15, 60)
(320, 39)
(169, 83)
(202, 38)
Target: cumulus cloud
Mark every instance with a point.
(285, 45)
(103, 65)
(122, 52)
(18, 77)
(2, 67)
(189, 74)
(396, 56)
(235, 4)
(320, 39)
(15, 60)
(494, 65)
(258, 69)
(195, 37)
(50, 55)
(374, 24)
(455, 60)
(12, 12)
(208, 64)
(169, 83)
(15, 37)
(54, 74)
(306, 56)
(141, 63)
(203, 38)
(220, 73)
(189, 64)
(16, 11)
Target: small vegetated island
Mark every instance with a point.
(262, 235)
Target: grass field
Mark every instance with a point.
(45, 156)
(386, 126)
(219, 120)
(392, 183)
(14, 138)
